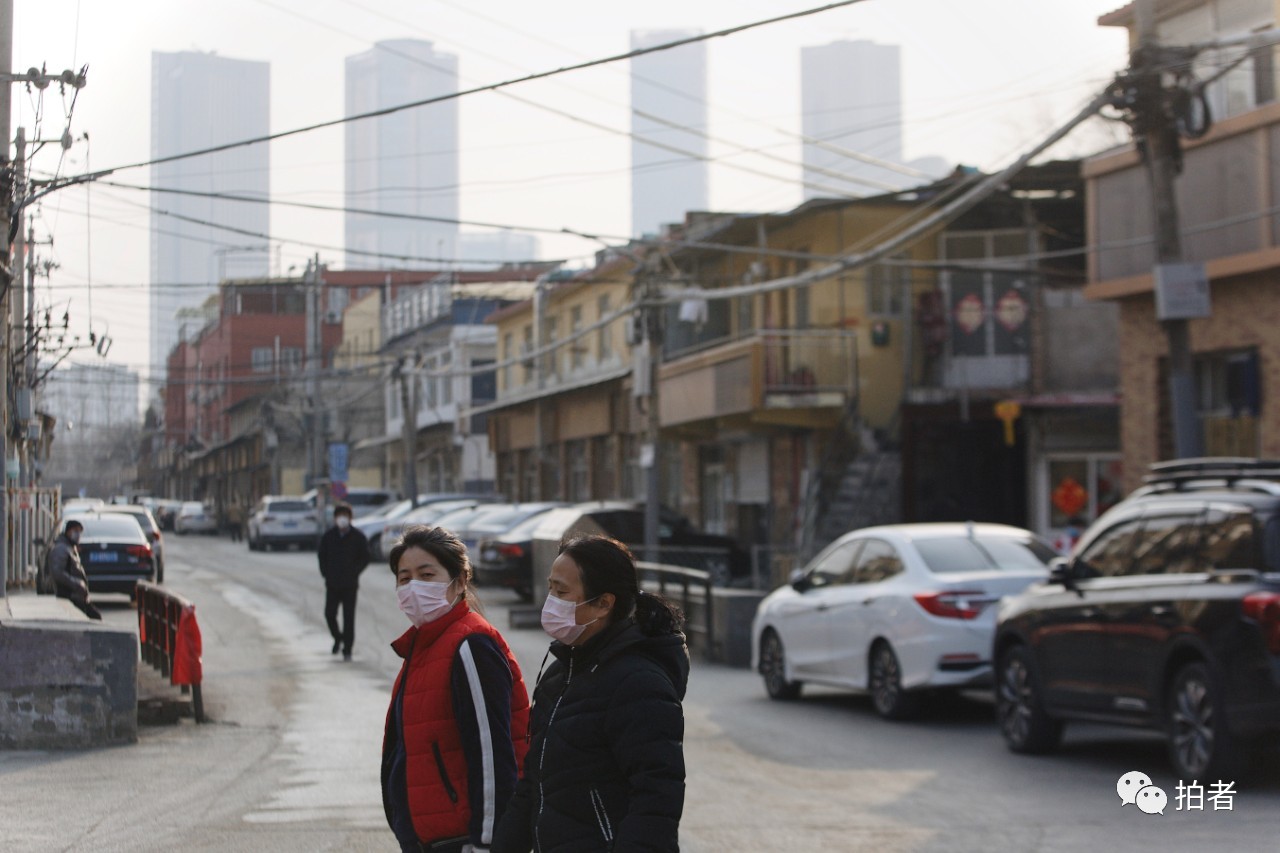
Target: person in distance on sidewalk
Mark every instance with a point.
(456, 730)
(605, 768)
(343, 555)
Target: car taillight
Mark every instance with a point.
(511, 550)
(953, 604)
(1264, 608)
(139, 551)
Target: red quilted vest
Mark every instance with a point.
(440, 807)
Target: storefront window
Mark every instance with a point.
(1075, 490)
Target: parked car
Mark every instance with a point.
(894, 611)
(679, 542)
(71, 505)
(363, 502)
(506, 559)
(147, 522)
(194, 517)
(497, 519)
(281, 520)
(428, 514)
(114, 551)
(374, 523)
(1166, 616)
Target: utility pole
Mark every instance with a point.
(1156, 131)
(17, 299)
(407, 374)
(7, 185)
(315, 413)
(653, 417)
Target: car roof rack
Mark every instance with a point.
(1178, 472)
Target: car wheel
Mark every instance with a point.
(773, 666)
(1200, 747)
(891, 701)
(1026, 727)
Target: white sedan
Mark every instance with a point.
(894, 611)
(194, 517)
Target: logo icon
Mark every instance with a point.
(1129, 786)
(1135, 787)
(1152, 800)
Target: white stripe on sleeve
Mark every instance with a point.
(486, 741)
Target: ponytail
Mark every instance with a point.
(656, 616)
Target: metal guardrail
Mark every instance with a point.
(170, 639)
(32, 516)
(690, 589)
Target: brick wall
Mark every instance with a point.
(1246, 313)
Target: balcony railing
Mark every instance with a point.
(809, 362)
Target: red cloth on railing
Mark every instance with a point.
(187, 649)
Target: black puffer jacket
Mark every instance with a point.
(343, 556)
(605, 768)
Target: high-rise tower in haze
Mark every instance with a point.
(199, 100)
(668, 105)
(405, 162)
(851, 97)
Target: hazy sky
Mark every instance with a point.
(983, 79)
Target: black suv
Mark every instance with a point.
(1166, 616)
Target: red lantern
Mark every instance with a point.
(1070, 497)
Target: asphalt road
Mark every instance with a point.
(290, 758)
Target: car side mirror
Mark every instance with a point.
(1060, 572)
(799, 580)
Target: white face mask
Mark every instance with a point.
(424, 601)
(343, 522)
(559, 619)
(73, 537)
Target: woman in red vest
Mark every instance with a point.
(455, 731)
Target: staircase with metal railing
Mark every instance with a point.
(858, 484)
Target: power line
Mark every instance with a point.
(854, 260)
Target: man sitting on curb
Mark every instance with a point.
(68, 574)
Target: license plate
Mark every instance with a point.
(289, 524)
(102, 557)
(489, 554)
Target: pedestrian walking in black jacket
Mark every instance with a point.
(605, 767)
(343, 553)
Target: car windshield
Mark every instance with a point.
(950, 554)
(367, 498)
(500, 518)
(458, 518)
(524, 530)
(144, 521)
(288, 506)
(111, 528)
(388, 511)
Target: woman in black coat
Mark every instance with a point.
(605, 767)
